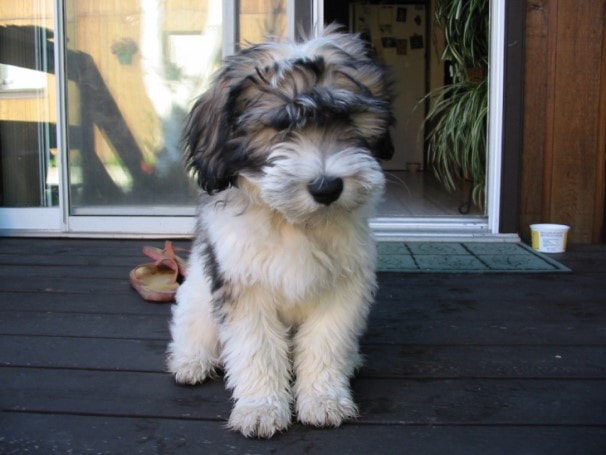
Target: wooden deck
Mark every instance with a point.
(473, 364)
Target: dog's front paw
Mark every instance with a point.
(259, 420)
(190, 372)
(326, 410)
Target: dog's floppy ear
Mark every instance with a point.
(216, 149)
(204, 139)
(210, 151)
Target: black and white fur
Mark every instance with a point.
(282, 272)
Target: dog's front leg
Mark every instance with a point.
(193, 353)
(326, 356)
(256, 358)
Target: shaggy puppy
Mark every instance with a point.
(281, 274)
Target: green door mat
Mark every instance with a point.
(455, 257)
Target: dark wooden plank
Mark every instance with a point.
(69, 259)
(128, 303)
(416, 301)
(95, 325)
(448, 361)
(83, 353)
(503, 297)
(19, 249)
(406, 297)
(115, 273)
(60, 434)
(404, 289)
(398, 298)
(452, 331)
(480, 290)
(485, 333)
(69, 285)
(584, 258)
(491, 288)
(110, 393)
(383, 361)
(482, 401)
(421, 402)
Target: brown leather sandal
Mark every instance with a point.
(158, 281)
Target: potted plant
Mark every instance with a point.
(456, 122)
(124, 49)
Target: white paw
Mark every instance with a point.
(259, 420)
(326, 410)
(190, 372)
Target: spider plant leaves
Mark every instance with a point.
(465, 24)
(456, 123)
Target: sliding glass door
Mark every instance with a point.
(93, 94)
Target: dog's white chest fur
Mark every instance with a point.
(294, 262)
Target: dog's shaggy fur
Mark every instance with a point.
(281, 273)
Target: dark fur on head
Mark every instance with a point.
(270, 91)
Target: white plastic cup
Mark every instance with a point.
(549, 238)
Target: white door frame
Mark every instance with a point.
(469, 227)
(57, 220)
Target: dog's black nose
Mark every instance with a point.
(326, 190)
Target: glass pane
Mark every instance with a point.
(134, 68)
(28, 156)
(260, 20)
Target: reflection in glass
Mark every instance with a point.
(28, 154)
(260, 20)
(134, 69)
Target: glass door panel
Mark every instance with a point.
(133, 70)
(29, 174)
(259, 20)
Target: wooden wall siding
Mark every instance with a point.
(599, 223)
(563, 159)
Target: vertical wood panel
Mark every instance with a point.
(550, 106)
(599, 223)
(535, 111)
(564, 116)
(576, 110)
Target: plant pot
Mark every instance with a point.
(125, 59)
(475, 75)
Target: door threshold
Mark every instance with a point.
(438, 229)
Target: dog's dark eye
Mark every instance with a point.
(281, 121)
